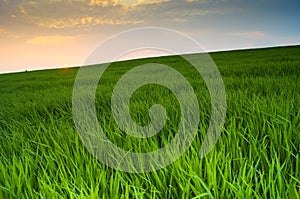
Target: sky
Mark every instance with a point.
(62, 33)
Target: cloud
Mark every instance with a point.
(251, 34)
(179, 11)
(192, 1)
(52, 39)
(75, 13)
(2, 31)
(105, 3)
(81, 22)
(6, 33)
(140, 2)
(62, 14)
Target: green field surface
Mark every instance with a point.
(256, 156)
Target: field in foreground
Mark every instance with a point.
(256, 156)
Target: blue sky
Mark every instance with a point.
(57, 33)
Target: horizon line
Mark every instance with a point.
(139, 58)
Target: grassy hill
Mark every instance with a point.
(256, 156)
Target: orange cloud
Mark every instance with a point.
(103, 3)
(6, 33)
(139, 2)
(2, 31)
(45, 40)
(82, 22)
(83, 14)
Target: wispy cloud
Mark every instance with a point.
(250, 34)
(6, 33)
(61, 14)
(81, 22)
(76, 13)
(2, 31)
(52, 39)
(105, 3)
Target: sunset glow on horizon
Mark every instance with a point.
(59, 33)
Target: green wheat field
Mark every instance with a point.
(256, 156)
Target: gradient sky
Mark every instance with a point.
(58, 33)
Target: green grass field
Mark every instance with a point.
(256, 156)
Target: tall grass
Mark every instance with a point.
(257, 155)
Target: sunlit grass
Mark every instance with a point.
(257, 155)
